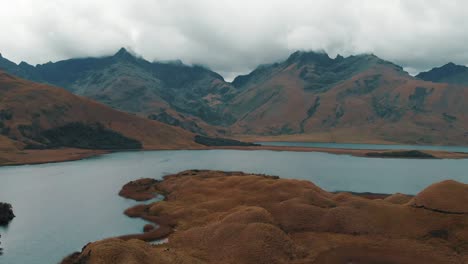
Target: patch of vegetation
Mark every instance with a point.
(314, 107)
(206, 113)
(386, 108)
(418, 98)
(209, 141)
(85, 136)
(27, 130)
(332, 120)
(285, 130)
(35, 146)
(449, 118)
(364, 86)
(6, 114)
(170, 120)
(401, 154)
(339, 112)
(4, 130)
(310, 112)
(439, 233)
(76, 135)
(56, 109)
(319, 82)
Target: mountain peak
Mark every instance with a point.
(309, 56)
(123, 53)
(454, 67)
(449, 73)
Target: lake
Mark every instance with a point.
(60, 207)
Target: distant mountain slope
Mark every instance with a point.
(308, 96)
(359, 98)
(36, 116)
(449, 73)
(135, 85)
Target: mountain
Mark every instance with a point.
(39, 116)
(449, 73)
(311, 96)
(162, 91)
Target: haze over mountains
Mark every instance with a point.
(354, 99)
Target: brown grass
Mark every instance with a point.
(219, 217)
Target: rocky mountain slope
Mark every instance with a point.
(449, 73)
(39, 116)
(358, 98)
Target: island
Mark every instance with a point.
(6, 213)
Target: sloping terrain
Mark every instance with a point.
(162, 91)
(358, 98)
(38, 116)
(448, 73)
(233, 217)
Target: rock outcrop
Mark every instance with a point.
(6, 213)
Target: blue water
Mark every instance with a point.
(62, 206)
(366, 146)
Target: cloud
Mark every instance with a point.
(233, 37)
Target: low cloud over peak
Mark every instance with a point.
(233, 37)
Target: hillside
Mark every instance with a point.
(38, 116)
(449, 73)
(359, 98)
(164, 91)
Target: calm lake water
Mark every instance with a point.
(365, 146)
(62, 206)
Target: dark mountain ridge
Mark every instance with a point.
(448, 73)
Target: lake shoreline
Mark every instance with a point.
(87, 190)
(34, 157)
(353, 152)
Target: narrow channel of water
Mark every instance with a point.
(365, 146)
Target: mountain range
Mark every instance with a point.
(308, 96)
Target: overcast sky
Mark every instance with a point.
(234, 36)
